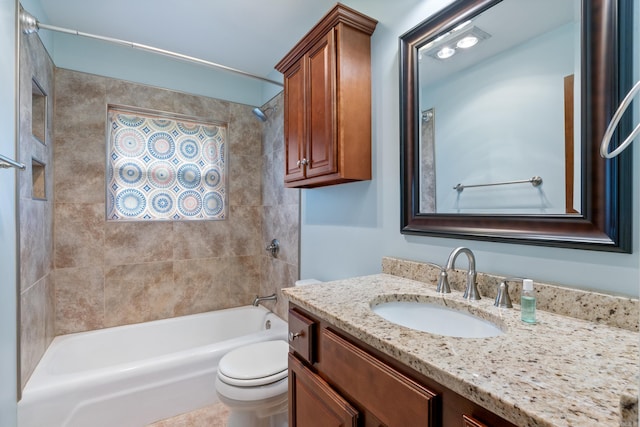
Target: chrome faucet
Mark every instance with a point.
(471, 290)
(258, 300)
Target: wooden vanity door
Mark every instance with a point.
(313, 403)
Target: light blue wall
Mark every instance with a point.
(106, 59)
(347, 229)
(8, 252)
(110, 60)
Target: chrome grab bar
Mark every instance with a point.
(6, 162)
(535, 181)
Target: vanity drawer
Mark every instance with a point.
(468, 421)
(302, 335)
(392, 397)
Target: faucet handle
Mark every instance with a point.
(443, 283)
(471, 290)
(503, 300)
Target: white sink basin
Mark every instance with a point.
(436, 319)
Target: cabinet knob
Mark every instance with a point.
(304, 162)
(293, 336)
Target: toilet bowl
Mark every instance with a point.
(252, 382)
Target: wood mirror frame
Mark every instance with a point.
(604, 221)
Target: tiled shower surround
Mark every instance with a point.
(110, 273)
(113, 273)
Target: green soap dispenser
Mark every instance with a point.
(528, 302)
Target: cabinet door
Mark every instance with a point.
(390, 396)
(294, 122)
(313, 403)
(321, 150)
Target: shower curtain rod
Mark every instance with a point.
(31, 25)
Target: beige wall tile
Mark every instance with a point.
(276, 275)
(33, 248)
(80, 166)
(79, 299)
(201, 107)
(138, 242)
(203, 285)
(245, 132)
(201, 239)
(80, 103)
(281, 222)
(244, 280)
(50, 308)
(80, 133)
(140, 96)
(79, 235)
(139, 292)
(244, 180)
(273, 130)
(244, 228)
(33, 332)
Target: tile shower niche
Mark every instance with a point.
(38, 112)
(39, 184)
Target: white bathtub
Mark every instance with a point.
(137, 374)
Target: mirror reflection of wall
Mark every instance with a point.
(501, 113)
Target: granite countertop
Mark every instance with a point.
(559, 372)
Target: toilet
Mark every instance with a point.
(253, 382)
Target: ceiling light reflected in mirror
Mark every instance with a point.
(464, 36)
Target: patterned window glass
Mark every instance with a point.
(164, 168)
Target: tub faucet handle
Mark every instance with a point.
(273, 248)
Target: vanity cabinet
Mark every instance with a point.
(327, 102)
(337, 380)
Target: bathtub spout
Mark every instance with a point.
(258, 300)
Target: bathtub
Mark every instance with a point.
(136, 374)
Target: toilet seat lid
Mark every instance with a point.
(255, 364)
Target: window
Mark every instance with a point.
(162, 167)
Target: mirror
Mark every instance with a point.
(503, 105)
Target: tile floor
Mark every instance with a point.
(210, 416)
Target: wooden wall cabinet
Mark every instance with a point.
(327, 102)
(336, 380)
